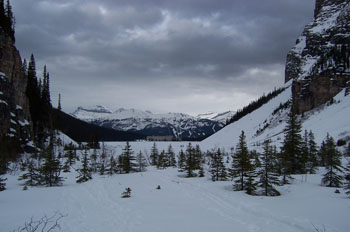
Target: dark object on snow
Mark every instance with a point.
(158, 187)
(126, 193)
(337, 191)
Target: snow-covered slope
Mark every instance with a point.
(178, 125)
(263, 123)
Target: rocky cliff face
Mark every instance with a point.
(319, 62)
(14, 105)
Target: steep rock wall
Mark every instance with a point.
(319, 63)
(14, 105)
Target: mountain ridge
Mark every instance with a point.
(179, 125)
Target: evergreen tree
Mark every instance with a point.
(93, 159)
(51, 170)
(127, 159)
(7, 20)
(217, 167)
(70, 156)
(141, 163)
(25, 66)
(322, 154)
(291, 149)
(347, 179)
(241, 165)
(2, 184)
(201, 171)
(267, 176)
(84, 171)
(332, 177)
(304, 153)
(2, 14)
(154, 155)
(251, 184)
(313, 154)
(161, 161)
(31, 177)
(190, 161)
(198, 157)
(347, 150)
(3, 169)
(181, 160)
(102, 162)
(171, 156)
(59, 107)
(112, 166)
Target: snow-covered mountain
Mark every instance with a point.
(178, 125)
(219, 117)
(269, 121)
(317, 79)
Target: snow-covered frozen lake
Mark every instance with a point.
(182, 204)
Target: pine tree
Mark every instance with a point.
(190, 161)
(198, 157)
(84, 171)
(181, 160)
(347, 179)
(2, 14)
(7, 20)
(31, 177)
(102, 161)
(3, 169)
(127, 159)
(201, 171)
(313, 152)
(2, 184)
(241, 164)
(51, 170)
(347, 150)
(251, 184)
(112, 166)
(267, 176)
(322, 154)
(171, 156)
(93, 159)
(291, 149)
(59, 107)
(154, 155)
(217, 167)
(162, 161)
(304, 153)
(141, 163)
(25, 66)
(332, 178)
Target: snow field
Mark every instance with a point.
(182, 204)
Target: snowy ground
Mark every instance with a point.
(182, 204)
(196, 204)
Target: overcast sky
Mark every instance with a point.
(189, 56)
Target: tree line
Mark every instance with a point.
(7, 19)
(254, 105)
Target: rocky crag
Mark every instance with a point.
(319, 62)
(14, 105)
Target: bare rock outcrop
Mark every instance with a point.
(15, 122)
(319, 63)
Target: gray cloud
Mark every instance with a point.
(211, 55)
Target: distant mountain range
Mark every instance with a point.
(180, 126)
